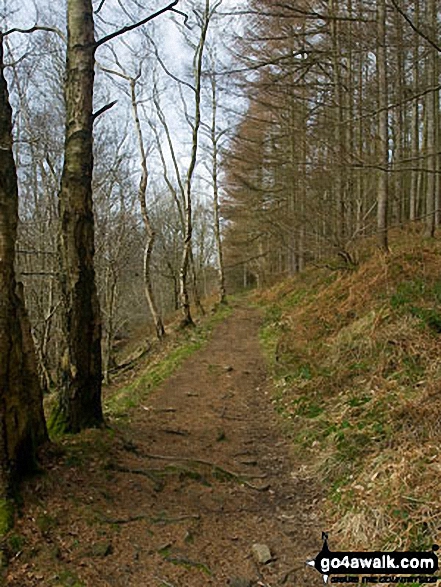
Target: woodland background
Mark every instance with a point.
(233, 144)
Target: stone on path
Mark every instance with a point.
(261, 553)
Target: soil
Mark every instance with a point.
(178, 494)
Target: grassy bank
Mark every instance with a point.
(355, 357)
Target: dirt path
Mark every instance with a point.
(152, 510)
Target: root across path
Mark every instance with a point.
(180, 495)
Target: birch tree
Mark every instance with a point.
(79, 404)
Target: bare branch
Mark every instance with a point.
(136, 25)
(104, 109)
(182, 14)
(167, 71)
(37, 28)
(414, 27)
(98, 10)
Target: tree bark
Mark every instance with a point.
(79, 403)
(22, 424)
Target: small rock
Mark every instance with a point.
(228, 369)
(261, 553)
(239, 582)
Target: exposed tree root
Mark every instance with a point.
(217, 470)
(152, 519)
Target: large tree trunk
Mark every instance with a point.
(79, 403)
(22, 425)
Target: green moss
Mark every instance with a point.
(6, 516)
(69, 579)
(57, 424)
(188, 564)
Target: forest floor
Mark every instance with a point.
(177, 494)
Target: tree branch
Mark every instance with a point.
(36, 28)
(182, 14)
(98, 10)
(104, 109)
(414, 27)
(167, 71)
(131, 27)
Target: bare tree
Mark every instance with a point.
(79, 404)
(204, 21)
(150, 232)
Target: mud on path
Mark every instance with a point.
(178, 497)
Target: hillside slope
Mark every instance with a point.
(356, 362)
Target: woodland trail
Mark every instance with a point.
(199, 475)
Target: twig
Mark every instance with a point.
(164, 582)
(290, 572)
(177, 432)
(127, 520)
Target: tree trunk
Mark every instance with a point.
(22, 425)
(188, 220)
(150, 233)
(79, 403)
(195, 284)
(222, 295)
(110, 295)
(432, 100)
(415, 129)
(339, 129)
(383, 130)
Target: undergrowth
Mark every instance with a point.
(355, 358)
